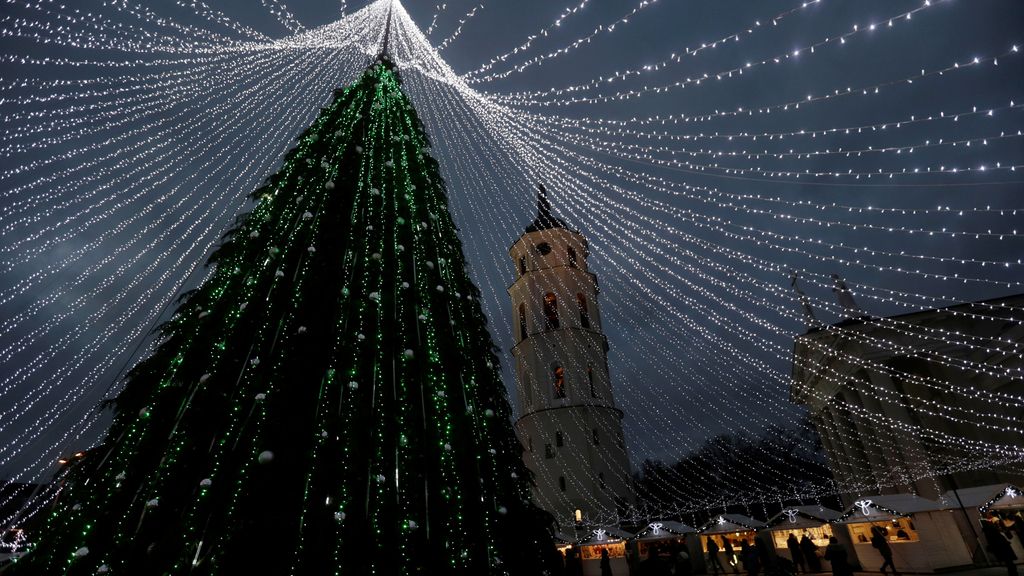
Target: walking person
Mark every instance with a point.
(837, 555)
(714, 563)
(879, 542)
(751, 562)
(766, 557)
(810, 554)
(573, 562)
(730, 554)
(799, 564)
(998, 545)
(606, 563)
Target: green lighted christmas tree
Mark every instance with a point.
(329, 401)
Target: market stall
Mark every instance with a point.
(921, 533)
(1004, 501)
(810, 529)
(611, 539)
(668, 536)
(728, 532)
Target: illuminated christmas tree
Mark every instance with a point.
(328, 401)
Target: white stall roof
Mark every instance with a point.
(725, 523)
(663, 529)
(1001, 496)
(802, 517)
(604, 536)
(887, 507)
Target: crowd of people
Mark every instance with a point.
(756, 556)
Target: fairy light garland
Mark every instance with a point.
(739, 70)
(723, 298)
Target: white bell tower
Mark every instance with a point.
(567, 418)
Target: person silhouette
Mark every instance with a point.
(714, 562)
(836, 554)
(879, 542)
(606, 563)
(998, 544)
(810, 554)
(799, 564)
(730, 554)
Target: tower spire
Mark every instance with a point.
(544, 220)
(543, 205)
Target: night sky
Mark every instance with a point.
(675, 382)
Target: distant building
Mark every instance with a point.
(872, 383)
(567, 418)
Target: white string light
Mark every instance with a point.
(122, 176)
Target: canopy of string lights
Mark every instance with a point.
(723, 164)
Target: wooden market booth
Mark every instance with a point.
(1006, 501)
(734, 528)
(611, 539)
(811, 521)
(923, 534)
(667, 536)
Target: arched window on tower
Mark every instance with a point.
(550, 311)
(571, 252)
(522, 265)
(581, 303)
(558, 380)
(522, 321)
(590, 379)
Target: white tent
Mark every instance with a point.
(664, 530)
(887, 507)
(726, 523)
(814, 522)
(795, 517)
(605, 536)
(990, 497)
(611, 539)
(921, 533)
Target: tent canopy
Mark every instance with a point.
(725, 523)
(802, 517)
(663, 530)
(991, 497)
(605, 536)
(887, 507)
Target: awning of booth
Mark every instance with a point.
(605, 536)
(796, 517)
(664, 530)
(990, 497)
(887, 507)
(725, 523)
